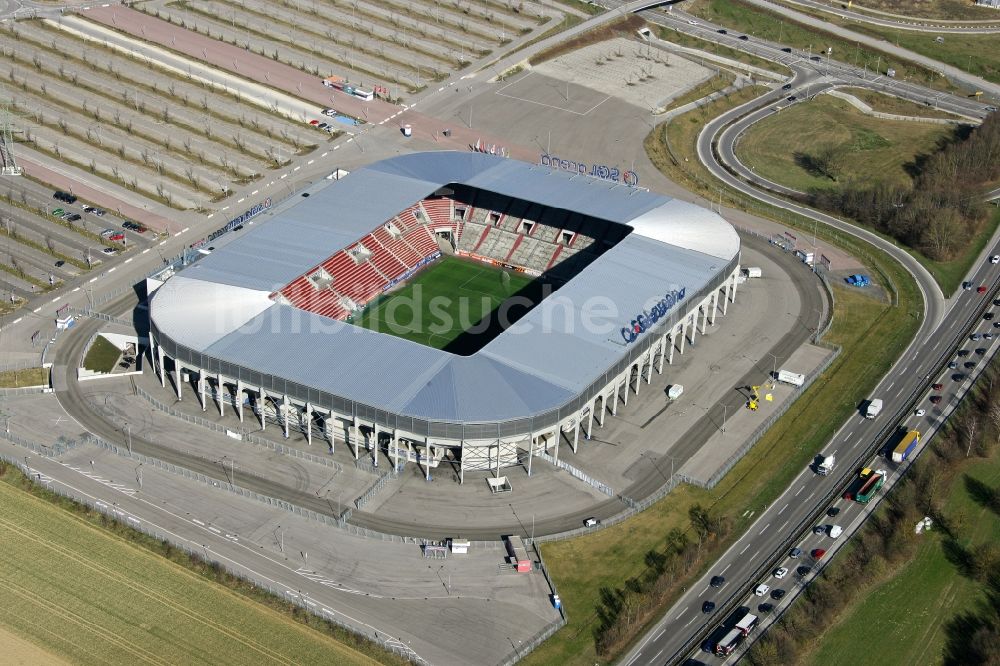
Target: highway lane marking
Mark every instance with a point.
(754, 556)
(215, 529)
(55, 299)
(145, 251)
(93, 279)
(112, 269)
(810, 495)
(38, 309)
(890, 385)
(75, 290)
(800, 490)
(782, 509)
(681, 614)
(162, 242)
(764, 529)
(197, 522)
(256, 191)
(745, 549)
(657, 637)
(658, 654)
(129, 259)
(726, 569)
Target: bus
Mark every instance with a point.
(729, 643)
(747, 624)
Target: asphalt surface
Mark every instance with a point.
(72, 399)
(783, 521)
(886, 20)
(944, 325)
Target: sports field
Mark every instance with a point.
(453, 304)
(85, 596)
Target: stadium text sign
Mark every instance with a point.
(614, 174)
(235, 222)
(647, 318)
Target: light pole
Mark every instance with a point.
(128, 437)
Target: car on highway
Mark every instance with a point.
(935, 399)
(761, 590)
(792, 98)
(717, 581)
(722, 31)
(962, 353)
(919, 412)
(975, 336)
(780, 572)
(818, 553)
(967, 285)
(591, 522)
(958, 377)
(795, 552)
(787, 86)
(987, 336)
(744, 37)
(981, 289)
(815, 58)
(60, 263)
(765, 608)
(819, 529)
(836, 531)
(980, 350)
(708, 607)
(937, 387)
(833, 511)
(692, 22)
(787, 49)
(988, 316)
(995, 259)
(777, 594)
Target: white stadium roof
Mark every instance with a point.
(220, 307)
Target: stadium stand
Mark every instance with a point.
(487, 226)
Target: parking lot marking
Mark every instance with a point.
(241, 200)
(162, 242)
(93, 279)
(129, 259)
(309, 162)
(183, 230)
(225, 208)
(112, 269)
(17, 320)
(283, 176)
(210, 215)
(336, 147)
(325, 154)
(197, 522)
(56, 299)
(296, 168)
(144, 251)
(256, 191)
(37, 310)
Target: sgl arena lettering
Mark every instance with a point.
(614, 174)
(649, 317)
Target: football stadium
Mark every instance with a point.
(444, 308)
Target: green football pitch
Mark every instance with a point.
(449, 305)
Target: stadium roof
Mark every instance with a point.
(219, 306)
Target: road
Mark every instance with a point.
(944, 326)
(897, 22)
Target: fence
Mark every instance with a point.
(93, 314)
(529, 645)
(373, 490)
(586, 478)
(23, 390)
(205, 555)
(247, 437)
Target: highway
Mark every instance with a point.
(944, 326)
(897, 22)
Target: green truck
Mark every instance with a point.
(868, 483)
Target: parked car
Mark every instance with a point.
(937, 387)
(787, 86)
(969, 365)
(833, 511)
(988, 316)
(110, 251)
(777, 594)
(953, 365)
(919, 412)
(74, 217)
(818, 553)
(974, 337)
(744, 37)
(59, 195)
(58, 212)
(958, 377)
(981, 289)
(962, 353)
(330, 112)
(987, 336)
(980, 350)
(60, 263)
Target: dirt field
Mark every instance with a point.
(19, 652)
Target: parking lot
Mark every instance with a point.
(399, 45)
(167, 138)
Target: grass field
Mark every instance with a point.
(26, 377)
(579, 565)
(896, 105)
(950, 10)
(102, 355)
(903, 619)
(781, 146)
(443, 302)
(772, 26)
(89, 597)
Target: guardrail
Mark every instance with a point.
(891, 424)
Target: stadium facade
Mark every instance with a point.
(259, 323)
